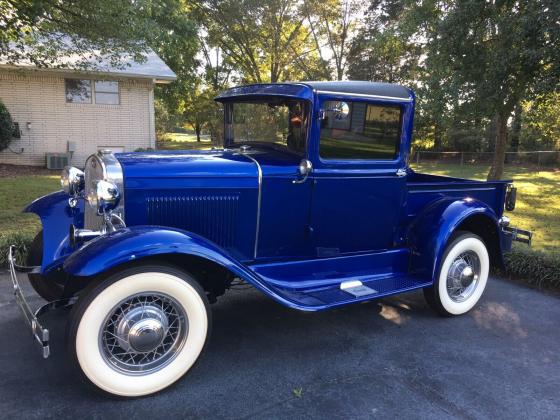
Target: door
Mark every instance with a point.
(358, 183)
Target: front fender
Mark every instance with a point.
(430, 231)
(56, 217)
(137, 242)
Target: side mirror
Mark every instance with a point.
(335, 109)
(304, 169)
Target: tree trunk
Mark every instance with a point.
(497, 169)
(437, 136)
(197, 130)
(516, 128)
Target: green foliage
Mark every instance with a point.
(177, 44)
(21, 241)
(6, 127)
(540, 125)
(42, 31)
(263, 41)
(534, 267)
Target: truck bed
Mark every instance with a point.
(426, 188)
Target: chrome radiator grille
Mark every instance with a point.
(102, 165)
(212, 216)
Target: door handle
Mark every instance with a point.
(304, 169)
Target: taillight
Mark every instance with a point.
(511, 196)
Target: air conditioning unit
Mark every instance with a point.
(57, 160)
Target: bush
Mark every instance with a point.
(534, 267)
(22, 241)
(6, 127)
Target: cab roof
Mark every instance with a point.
(305, 90)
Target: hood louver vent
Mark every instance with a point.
(211, 216)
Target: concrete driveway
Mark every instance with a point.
(387, 358)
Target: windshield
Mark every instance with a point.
(281, 123)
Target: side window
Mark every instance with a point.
(357, 130)
(107, 92)
(78, 91)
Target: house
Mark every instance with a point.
(64, 115)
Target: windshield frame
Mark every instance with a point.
(229, 135)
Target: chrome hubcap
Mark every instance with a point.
(463, 276)
(143, 333)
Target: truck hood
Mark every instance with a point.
(186, 164)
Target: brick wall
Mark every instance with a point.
(39, 98)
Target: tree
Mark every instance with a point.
(176, 42)
(478, 59)
(332, 24)
(264, 41)
(6, 127)
(200, 111)
(540, 129)
(500, 53)
(43, 32)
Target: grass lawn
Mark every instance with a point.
(538, 198)
(16, 193)
(183, 141)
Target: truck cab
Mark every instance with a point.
(310, 199)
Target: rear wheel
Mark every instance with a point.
(140, 330)
(45, 287)
(462, 277)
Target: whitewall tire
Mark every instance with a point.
(462, 276)
(140, 330)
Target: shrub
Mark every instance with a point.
(534, 267)
(6, 127)
(22, 241)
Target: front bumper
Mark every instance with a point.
(40, 334)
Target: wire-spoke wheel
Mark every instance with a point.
(143, 333)
(462, 276)
(140, 330)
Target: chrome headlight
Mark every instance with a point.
(72, 180)
(104, 196)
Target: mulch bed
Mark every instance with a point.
(12, 171)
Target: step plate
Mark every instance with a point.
(357, 289)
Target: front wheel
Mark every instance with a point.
(140, 330)
(462, 276)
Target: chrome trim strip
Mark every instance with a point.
(260, 176)
(363, 95)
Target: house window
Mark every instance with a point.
(78, 91)
(107, 92)
(363, 131)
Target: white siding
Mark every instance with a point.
(39, 98)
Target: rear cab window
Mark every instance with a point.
(360, 131)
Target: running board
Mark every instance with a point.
(357, 288)
(352, 291)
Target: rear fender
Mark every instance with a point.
(56, 217)
(429, 233)
(138, 242)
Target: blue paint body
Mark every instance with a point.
(350, 220)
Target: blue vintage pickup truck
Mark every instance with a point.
(311, 200)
